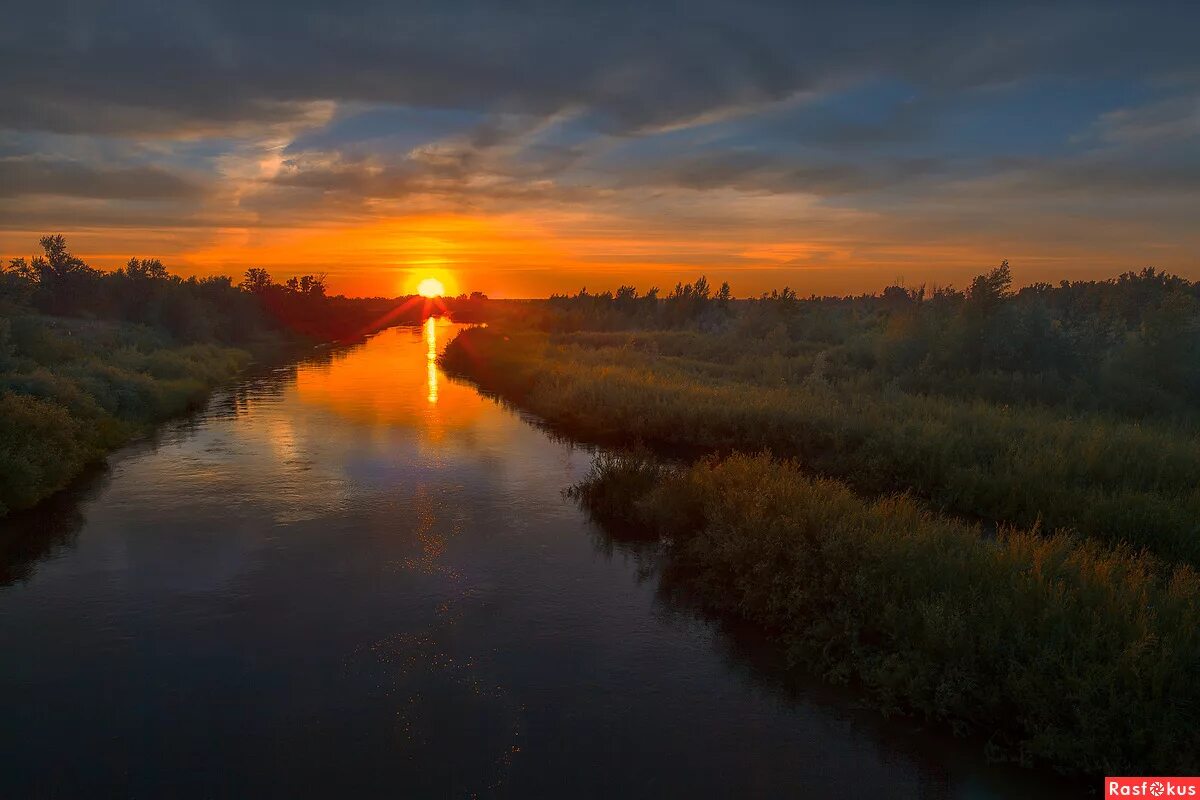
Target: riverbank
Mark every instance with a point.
(91, 359)
(1055, 649)
(72, 390)
(1118, 481)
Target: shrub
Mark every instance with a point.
(1111, 479)
(1054, 649)
(99, 384)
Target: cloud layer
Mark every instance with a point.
(845, 143)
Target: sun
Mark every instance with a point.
(431, 287)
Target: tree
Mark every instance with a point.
(724, 295)
(313, 285)
(987, 290)
(64, 281)
(17, 282)
(24, 270)
(150, 269)
(257, 281)
(308, 285)
(59, 260)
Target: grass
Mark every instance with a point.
(1065, 634)
(71, 390)
(1057, 650)
(1115, 480)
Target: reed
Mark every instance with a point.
(1054, 649)
(1112, 479)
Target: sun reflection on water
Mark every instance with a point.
(431, 370)
(393, 380)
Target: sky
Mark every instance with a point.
(522, 148)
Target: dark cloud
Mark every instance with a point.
(32, 175)
(180, 66)
(1116, 178)
(754, 171)
(1166, 121)
(741, 122)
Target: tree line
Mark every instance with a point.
(210, 309)
(1130, 343)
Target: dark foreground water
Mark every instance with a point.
(352, 578)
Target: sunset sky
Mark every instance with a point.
(525, 148)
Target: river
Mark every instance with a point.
(352, 577)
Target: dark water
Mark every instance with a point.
(353, 578)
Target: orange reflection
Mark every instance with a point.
(431, 376)
(393, 380)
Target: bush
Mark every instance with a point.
(1054, 649)
(72, 390)
(1114, 480)
(41, 448)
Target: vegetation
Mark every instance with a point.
(1055, 649)
(812, 391)
(70, 390)
(982, 506)
(1129, 345)
(89, 358)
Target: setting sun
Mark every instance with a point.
(431, 287)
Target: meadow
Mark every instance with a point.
(981, 506)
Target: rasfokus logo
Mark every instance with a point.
(1151, 787)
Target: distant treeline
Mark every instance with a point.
(1129, 344)
(213, 309)
(89, 358)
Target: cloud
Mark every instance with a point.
(34, 175)
(1172, 120)
(1097, 176)
(186, 66)
(748, 126)
(760, 172)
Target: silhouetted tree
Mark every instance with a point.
(987, 290)
(146, 269)
(257, 281)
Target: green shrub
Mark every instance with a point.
(100, 383)
(42, 446)
(1117, 481)
(1052, 648)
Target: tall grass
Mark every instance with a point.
(1066, 635)
(1114, 480)
(1055, 649)
(70, 390)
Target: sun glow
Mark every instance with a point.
(431, 287)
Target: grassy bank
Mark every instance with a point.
(1054, 649)
(71, 390)
(1116, 480)
(1068, 638)
(89, 358)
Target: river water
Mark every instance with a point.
(352, 577)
